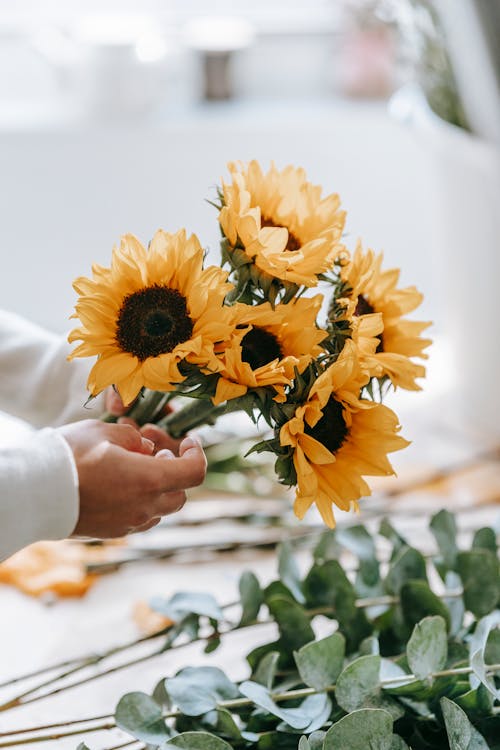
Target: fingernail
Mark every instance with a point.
(166, 453)
(191, 442)
(148, 444)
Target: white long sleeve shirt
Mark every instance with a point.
(38, 477)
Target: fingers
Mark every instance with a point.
(160, 438)
(173, 473)
(126, 435)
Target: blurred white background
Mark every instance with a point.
(121, 116)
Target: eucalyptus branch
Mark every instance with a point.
(237, 704)
(95, 659)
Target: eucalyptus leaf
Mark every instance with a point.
(366, 729)
(196, 690)
(480, 574)
(485, 538)
(444, 528)
(387, 530)
(295, 717)
(419, 601)
(458, 726)
(266, 669)
(185, 603)
(304, 743)
(198, 741)
(358, 541)
(293, 623)
(358, 682)
(289, 571)
(427, 648)
(317, 708)
(138, 714)
(320, 662)
(408, 565)
(251, 597)
(398, 743)
(327, 585)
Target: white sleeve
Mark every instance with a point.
(38, 490)
(37, 383)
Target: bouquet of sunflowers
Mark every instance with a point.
(255, 337)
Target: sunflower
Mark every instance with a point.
(148, 312)
(337, 439)
(268, 345)
(373, 290)
(281, 223)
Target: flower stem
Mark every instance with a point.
(201, 412)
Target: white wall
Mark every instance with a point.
(67, 193)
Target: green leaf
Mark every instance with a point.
(444, 529)
(196, 690)
(479, 571)
(358, 541)
(293, 623)
(304, 743)
(418, 601)
(461, 734)
(398, 743)
(366, 729)
(387, 529)
(327, 548)
(359, 681)
(138, 714)
(82, 746)
(317, 708)
(408, 565)
(427, 648)
(185, 603)
(251, 596)
(320, 662)
(485, 538)
(262, 698)
(266, 669)
(327, 585)
(289, 571)
(198, 741)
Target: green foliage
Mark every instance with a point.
(411, 670)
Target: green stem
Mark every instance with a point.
(200, 412)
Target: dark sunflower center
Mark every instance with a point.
(259, 347)
(363, 307)
(153, 321)
(331, 430)
(292, 244)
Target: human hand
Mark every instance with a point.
(123, 486)
(160, 438)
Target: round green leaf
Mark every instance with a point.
(444, 528)
(427, 648)
(479, 571)
(289, 571)
(198, 741)
(196, 690)
(320, 662)
(458, 726)
(359, 681)
(418, 601)
(251, 597)
(408, 565)
(138, 714)
(184, 603)
(295, 717)
(366, 729)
